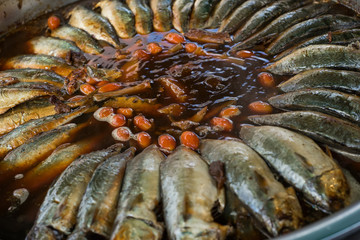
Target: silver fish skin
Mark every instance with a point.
(302, 163)
(341, 80)
(317, 56)
(96, 212)
(80, 37)
(143, 15)
(60, 207)
(201, 12)
(187, 207)
(181, 10)
(40, 232)
(140, 197)
(248, 176)
(322, 100)
(221, 11)
(321, 127)
(120, 16)
(94, 24)
(162, 15)
(309, 28)
(241, 13)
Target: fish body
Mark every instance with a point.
(221, 11)
(302, 163)
(143, 15)
(162, 14)
(40, 232)
(201, 13)
(140, 198)
(181, 10)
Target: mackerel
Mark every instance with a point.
(162, 15)
(181, 14)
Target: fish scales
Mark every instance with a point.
(181, 14)
(221, 11)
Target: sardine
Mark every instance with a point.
(40, 232)
(60, 207)
(341, 80)
(203, 36)
(58, 65)
(162, 14)
(221, 11)
(317, 56)
(120, 16)
(321, 127)
(80, 37)
(140, 198)
(302, 163)
(143, 15)
(309, 28)
(248, 176)
(323, 100)
(201, 12)
(181, 10)
(96, 212)
(94, 24)
(189, 194)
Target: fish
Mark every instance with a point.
(181, 11)
(143, 15)
(162, 15)
(302, 163)
(60, 206)
(321, 127)
(251, 180)
(140, 198)
(94, 24)
(265, 15)
(55, 64)
(341, 80)
(333, 102)
(309, 28)
(24, 132)
(201, 12)
(120, 16)
(96, 211)
(221, 11)
(203, 36)
(40, 232)
(241, 13)
(81, 38)
(317, 56)
(189, 194)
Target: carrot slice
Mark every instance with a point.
(190, 140)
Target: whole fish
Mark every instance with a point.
(55, 64)
(24, 132)
(201, 12)
(120, 16)
(96, 212)
(143, 15)
(94, 24)
(302, 163)
(37, 86)
(323, 100)
(321, 127)
(60, 206)
(140, 197)
(265, 15)
(341, 80)
(221, 11)
(241, 13)
(80, 37)
(181, 10)
(309, 28)
(317, 56)
(248, 176)
(162, 14)
(189, 194)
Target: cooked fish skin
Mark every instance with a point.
(94, 24)
(341, 80)
(317, 56)
(80, 37)
(140, 197)
(309, 28)
(248, 176)
(321, 127)
(55, 64)
(162, 15)
(96, 211)
(322, 100)
(241, 13)
(40, 232)
(120, 16)
(24, 132)
(187, 207)
(221, 11)
(203, 36)
(143, 15)
(60, 207)
(181, 10)
(301, 162)
(201, 12)
(264, 16)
